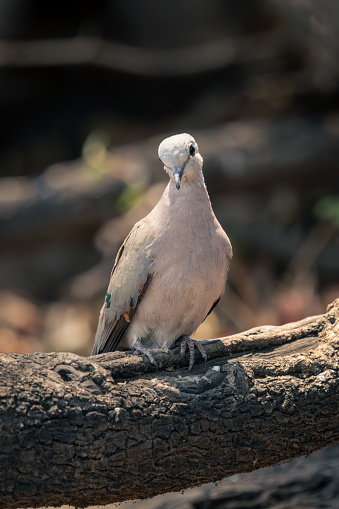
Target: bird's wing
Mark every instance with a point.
(129, 279)
(210, 311)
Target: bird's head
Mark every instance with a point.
(181, 158)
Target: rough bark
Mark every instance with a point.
(108, 428)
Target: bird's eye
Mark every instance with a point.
(192, 150)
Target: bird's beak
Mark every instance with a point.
(177, 174)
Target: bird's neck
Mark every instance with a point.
(182, 205)
(190, 191)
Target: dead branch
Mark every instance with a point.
(89, 431)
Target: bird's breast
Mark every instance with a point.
(189, 253)
(190, 256)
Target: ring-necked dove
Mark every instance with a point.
(171, 270)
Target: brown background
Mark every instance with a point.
(87, 92)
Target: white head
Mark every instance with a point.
(181, 158)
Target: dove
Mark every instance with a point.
(171, 270)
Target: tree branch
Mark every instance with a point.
(108, 428)
(81, 50)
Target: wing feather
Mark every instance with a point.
(130, 273)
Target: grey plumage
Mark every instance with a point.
(172, 267)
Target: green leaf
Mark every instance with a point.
(328, 209)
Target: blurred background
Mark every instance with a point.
(87, 92)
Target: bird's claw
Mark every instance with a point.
(187, 342)
(140, 349)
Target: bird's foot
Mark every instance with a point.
(187, 342)
(141, 349)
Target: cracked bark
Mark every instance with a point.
(89, 431)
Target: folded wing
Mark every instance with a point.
(129, 280)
